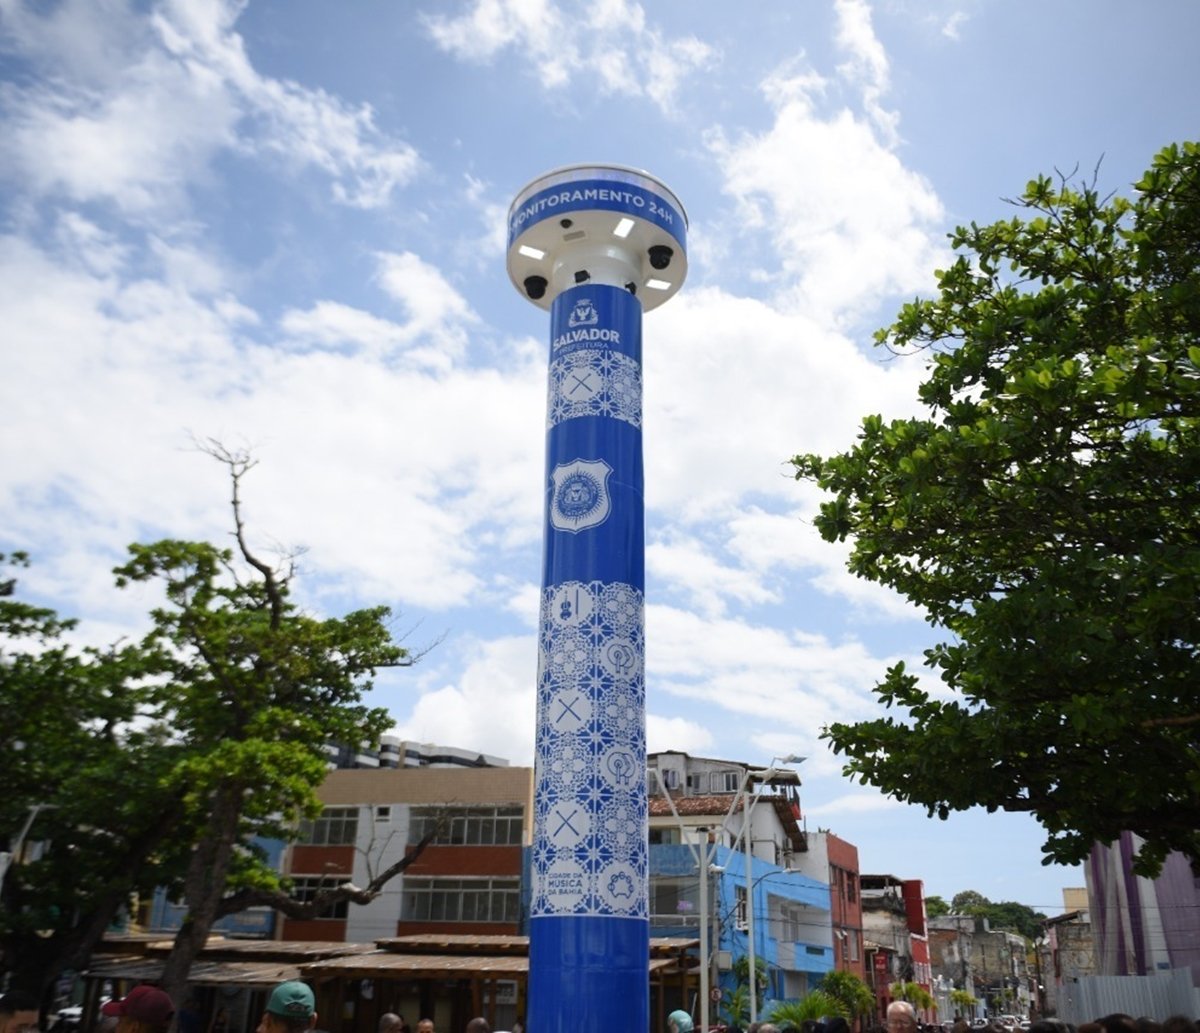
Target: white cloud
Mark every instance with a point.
(788, 545)
(849, 224)
(491, 706)
(136, 122)
(690, 565)
(606, 43)
(735, 387)
(868, 63)
(676, 733)
(866, 802)
(952, 29)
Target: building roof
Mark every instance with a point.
(432, 956)
(695, 806)
(718, 805)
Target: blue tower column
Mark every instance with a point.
(596, 245)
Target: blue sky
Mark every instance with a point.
(281, 225)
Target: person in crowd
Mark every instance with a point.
(479, 1025)
(425, 1026)
(768, 1027)
(390, 1022)
(291, 1008)
(1051, 1026)
(1179, 1024)
(679, 1022)
(901, 1017)
(145, 1009)
(18, 1013)
(1118, 1022)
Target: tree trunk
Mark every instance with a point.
(204, 886)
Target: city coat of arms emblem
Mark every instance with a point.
(579, 495)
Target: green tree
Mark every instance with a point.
(255, 688)
(153, 764)
(1043, 514)
(935, 906)
(969, 902)
(914, 993)
(71, 728)
(963, 1000)
(739, 1000)
(1019, 918)
(854, 994)
(816, 1004)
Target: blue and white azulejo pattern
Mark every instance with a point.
(589, 854)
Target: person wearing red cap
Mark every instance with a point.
(145, 1009)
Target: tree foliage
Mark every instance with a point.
(1043, 514)
(849, 989)
(1005, 915)
(914, 993)
(935, 906)
(812, 1007)
(157, 762)
(82, 803)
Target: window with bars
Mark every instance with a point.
(337, 826)
(480, 899)
(468, 826)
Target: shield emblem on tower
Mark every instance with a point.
(579, 495)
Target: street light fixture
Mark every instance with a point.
(762, 776)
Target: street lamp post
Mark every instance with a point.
(8, 857)
(766, 776)
(703, 851)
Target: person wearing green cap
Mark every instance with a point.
(291, 1008)
(679, 1022)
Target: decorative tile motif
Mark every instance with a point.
(594, 382)
(589, 853)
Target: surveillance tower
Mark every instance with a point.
(595, 245)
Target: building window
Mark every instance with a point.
(695, 783)
(851, 887)
(669, 777)
(337, 826)
(305, 887)
(383, 814)
(674, 901)
(724, 781)
(461, 900)
(739, 907)
(852, 937)
(468, 826)
(665, 836)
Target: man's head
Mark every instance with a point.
(18, 1013)
(390, 1022)
(145, 1007)
(479, 1025)
(679, 1022)
(901, 1017)
(425, 1026)
(291, 1008)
